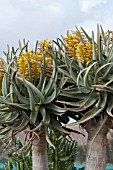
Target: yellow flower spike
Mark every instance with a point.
(75, 49)
(31, 56)
(45, 44)
(84, 52)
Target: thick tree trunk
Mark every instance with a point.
(96, 153)
(96, 144)
(39, 153)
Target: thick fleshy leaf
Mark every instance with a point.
(75, 90)
(108, 71)
(80, 36)
(94, 111)
(103, 88)
(50, 98)
(34, 115)
(94, 48)
(17, 91)
(91, 100)
(4, 116)
(110, 105)
(55, 109)
(21, 125)
(50, 86)
(33, 90)
(13, 116)
(47, 138)
(99, 72)
(56, 125)
(80, 80)
(76, 96)
(103, 35)
(72, 73)
(5, 85)
(61, 69)
(42, 74)
(14, 105)
(100, 52)
(87, 36)
(86, 76)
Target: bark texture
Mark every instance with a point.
(96, 149)
(39, 153)
(96, 153)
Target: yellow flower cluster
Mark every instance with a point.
(84, 52)
(76, 49)
(29, 58)
(71, 44)
(44, 44)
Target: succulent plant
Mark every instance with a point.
(28, 103)
(88, 90)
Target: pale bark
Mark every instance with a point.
(39, 153)
(96, 153)
(96, 146)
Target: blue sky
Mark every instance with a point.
(49, 19)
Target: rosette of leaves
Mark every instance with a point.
(89, 86)
(28, 104)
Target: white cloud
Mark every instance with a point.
(87, 5)
(48, 19)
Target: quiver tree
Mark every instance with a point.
(88, 66)
(30, 86)
(42, 89)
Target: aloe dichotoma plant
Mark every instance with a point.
(30, 87)
(88, 66)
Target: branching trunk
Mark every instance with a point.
(39, 153)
